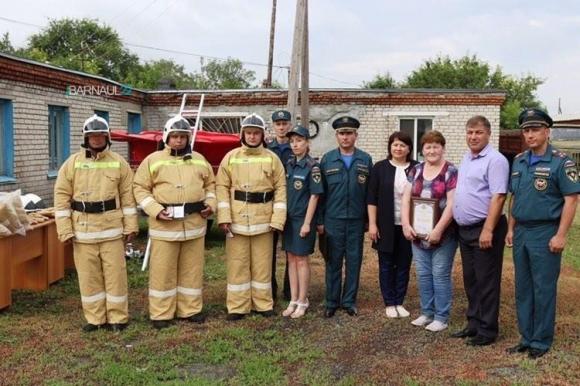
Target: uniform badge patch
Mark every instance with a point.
(572, 174)
(298, 184)
(362, 178)
(540, 184)
(316, 176)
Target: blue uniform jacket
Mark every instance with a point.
(539, 189)
(345, 189)
(282, 150)
(303, 178)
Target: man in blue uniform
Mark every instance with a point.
(544, 186)
(345, 173)
(281, 122)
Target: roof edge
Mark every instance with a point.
(260, 90)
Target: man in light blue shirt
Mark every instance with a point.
(477, 208)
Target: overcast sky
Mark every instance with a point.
(350, 41)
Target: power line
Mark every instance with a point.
(188, 53)
(199, 55)
(20, 22)
(332, 79)
(156, 48)
(134, 18)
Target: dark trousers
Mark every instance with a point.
(394, 269)
(537, 271)
(482, 277)
(345, 244)
(286, 290)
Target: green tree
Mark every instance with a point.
(381, 81)
(5, 44)
(469, 72)
(227, 74)
(84, 45)
(151, 74)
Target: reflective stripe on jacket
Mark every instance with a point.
(166, 179)
(81, 178)
(251, 170)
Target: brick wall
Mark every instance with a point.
(30, 116)
(33, 86)
(377, 122)
(449, 120)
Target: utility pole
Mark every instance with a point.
(304, 86)
(268, 82)
(299, 63)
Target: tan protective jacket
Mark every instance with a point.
(166, 179)
(251, 170)
(83, 178)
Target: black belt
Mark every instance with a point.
(254, 197)
(189, 207)
(478, 224)
(95, 206)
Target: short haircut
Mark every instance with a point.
(478, 120)
(403, 137)
(432, 136)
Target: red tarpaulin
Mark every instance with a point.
(213, 146)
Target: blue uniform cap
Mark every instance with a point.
(281, 115)
(349, 123)
(299, 130)
(534, 118)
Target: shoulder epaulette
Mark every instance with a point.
(558, 153)
(311, 162)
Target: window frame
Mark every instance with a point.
(7, 133)
(103, 114)
(131, 117)
(64, 139)
(416, 150)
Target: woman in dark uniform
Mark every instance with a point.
(304, 185)
(386, 185)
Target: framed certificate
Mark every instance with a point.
(425, 213)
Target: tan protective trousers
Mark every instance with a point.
(102, 273)
(176, 278)
(249, 266)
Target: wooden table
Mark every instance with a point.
(31, 262)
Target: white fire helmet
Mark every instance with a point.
(96, 124)
(254, 120)
(177, 124)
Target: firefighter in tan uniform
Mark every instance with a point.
(94, 209)
(176, 188)
(251, 189)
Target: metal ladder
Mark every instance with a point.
(192, 114)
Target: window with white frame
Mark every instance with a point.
(415, 128)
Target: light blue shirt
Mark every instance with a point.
(480, 177)
(347, 159)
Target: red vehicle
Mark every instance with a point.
(213, 146)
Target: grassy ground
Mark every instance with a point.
(41, 341)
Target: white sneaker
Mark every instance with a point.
(403, 313)
(391, 312)
(436, 326)
(421, 321)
